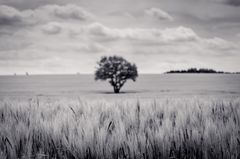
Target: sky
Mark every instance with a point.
(70, 36)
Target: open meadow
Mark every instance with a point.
(159, 116)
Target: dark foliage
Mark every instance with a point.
(116, 70)
(195, 70)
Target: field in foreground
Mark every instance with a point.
(166, 128)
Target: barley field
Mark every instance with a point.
(141, 124)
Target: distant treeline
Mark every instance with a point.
(201, 70)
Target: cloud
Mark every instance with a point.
(179, 34)
(69, 11)
(52, 28)
(159, 14)
(220, 44)
(12, 16)
(232, 2)
(9, 15)
(227, 2)
(167, 36)
(175, 40)
(154, 35)
(92, 47)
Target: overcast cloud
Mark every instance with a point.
(67, 36)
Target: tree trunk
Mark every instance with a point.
(116, 90)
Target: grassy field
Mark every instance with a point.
(78, 128)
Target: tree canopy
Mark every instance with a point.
(116, 70)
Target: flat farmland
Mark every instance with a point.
(147, 86)
(159, 116)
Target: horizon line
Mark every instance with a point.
(77, 74)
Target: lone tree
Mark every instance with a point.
(116, 70)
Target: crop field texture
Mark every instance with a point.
(162, 128)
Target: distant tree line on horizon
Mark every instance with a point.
(201, 70)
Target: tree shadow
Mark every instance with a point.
(135, 92)
(121, 92)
